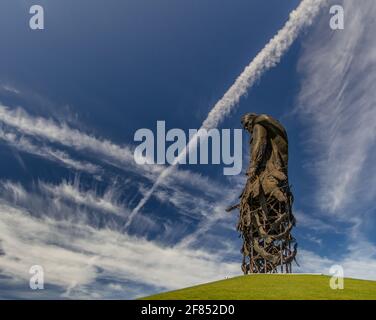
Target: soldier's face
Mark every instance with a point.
(248, 126)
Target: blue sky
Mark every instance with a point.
(72, 96)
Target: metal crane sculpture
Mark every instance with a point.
(265, 208)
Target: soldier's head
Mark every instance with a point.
(247, 121)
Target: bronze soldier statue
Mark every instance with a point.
(265, 218)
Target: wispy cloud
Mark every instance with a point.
(316, 223)
(9, 88)
(65, 135)
(75, 255)
(337, 103)
(358, 262)
(341, 110)
(108, 201)
(34, 134)
(27, 126)
(27, 145)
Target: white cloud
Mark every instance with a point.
(75, 255)
(26, 145)
(106, 151)
(72, 200)
(63, 134)
(72, 191)
(358, 262)
(177, 189)
(337, 98)
(317, 223)
(9, 88)
(337, 102)
(14, 190)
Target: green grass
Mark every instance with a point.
(274, 287)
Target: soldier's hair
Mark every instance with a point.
(247, 119)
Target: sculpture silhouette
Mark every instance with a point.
(265, 208)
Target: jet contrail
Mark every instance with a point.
(267, 58)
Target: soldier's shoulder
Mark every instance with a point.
(270, 123)
(264, 117)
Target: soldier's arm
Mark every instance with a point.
(259, 142)
(258, 147)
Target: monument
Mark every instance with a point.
(265, 208)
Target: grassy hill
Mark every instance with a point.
(273, 287)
